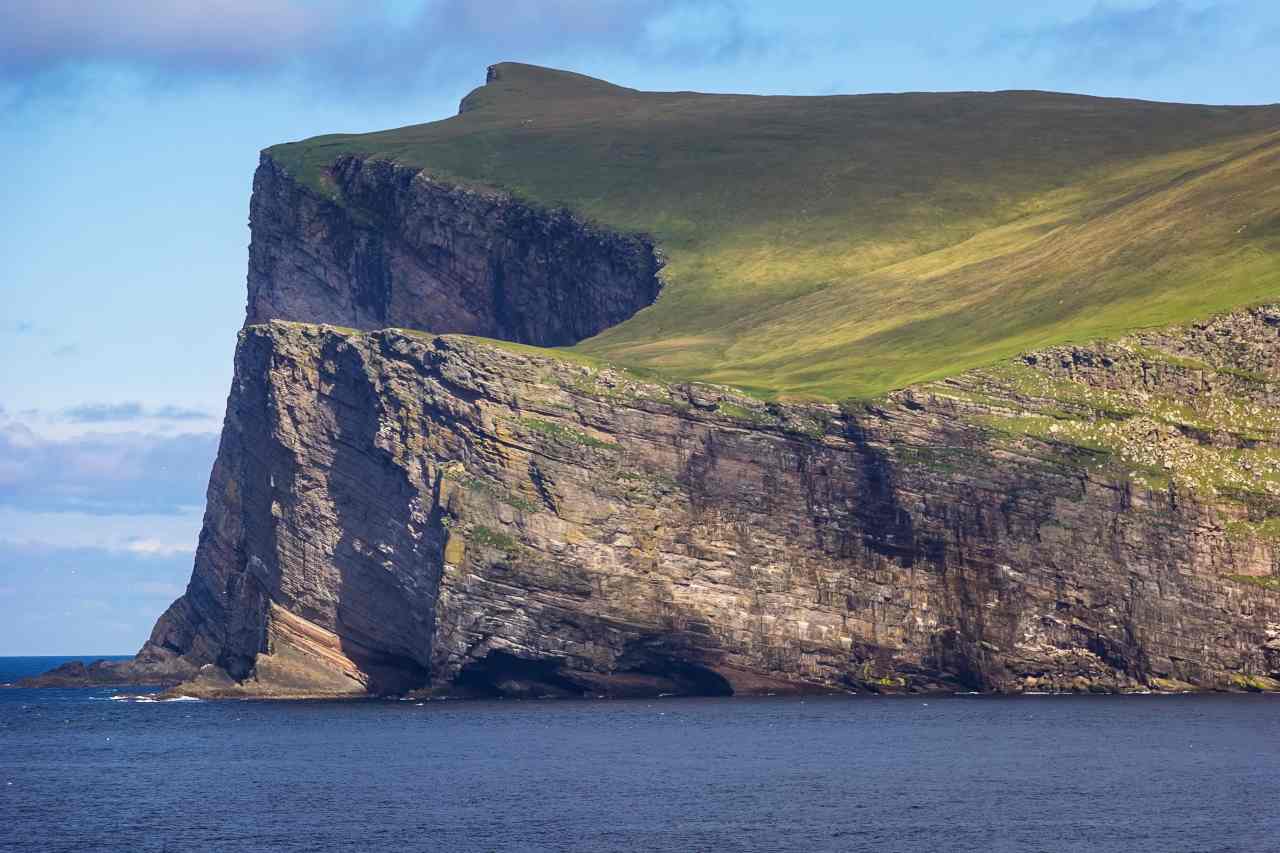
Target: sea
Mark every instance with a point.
(81, 770)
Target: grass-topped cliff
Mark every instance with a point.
(842, 246)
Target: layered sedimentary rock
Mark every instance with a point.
(427, 512)
(395, 510)
(402, 249)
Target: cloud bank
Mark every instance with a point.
(95, 413)
(125, 473)
(194, 35)
(364, 45)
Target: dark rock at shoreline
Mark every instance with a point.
(148, 669)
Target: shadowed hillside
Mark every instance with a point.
(842, 246)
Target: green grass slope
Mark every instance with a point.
(843, 246)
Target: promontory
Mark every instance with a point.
(588, 391)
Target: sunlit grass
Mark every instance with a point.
(841, 246)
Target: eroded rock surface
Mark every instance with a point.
(395, 511)
(402, 249)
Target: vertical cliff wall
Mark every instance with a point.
(394, 511)
(392, 247)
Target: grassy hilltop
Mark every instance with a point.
(843, 246)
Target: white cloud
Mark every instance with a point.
(103, 473)
(147, 536)
(158, 548)
(217, 34)
(362, 44)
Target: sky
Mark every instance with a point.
(129, 136)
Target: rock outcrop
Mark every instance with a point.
(396, 511)
(398, 248)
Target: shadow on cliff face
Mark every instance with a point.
(676, 659)
(502, 674)
(887, 527)
(958, 653)
(399, 251)
(236, 568)
(388, 559)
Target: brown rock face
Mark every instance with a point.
(396, 511)
(405, 251)
(443, 513)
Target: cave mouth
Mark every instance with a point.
(388, 674)
(501, 674)
(687, 678)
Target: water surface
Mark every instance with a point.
(1055, 773)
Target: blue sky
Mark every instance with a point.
(129, 136)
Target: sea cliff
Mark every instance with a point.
(397, 507)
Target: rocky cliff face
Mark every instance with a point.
(394, 511)
(397, 511)
(404, 250)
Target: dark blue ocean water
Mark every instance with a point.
(79, 771)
